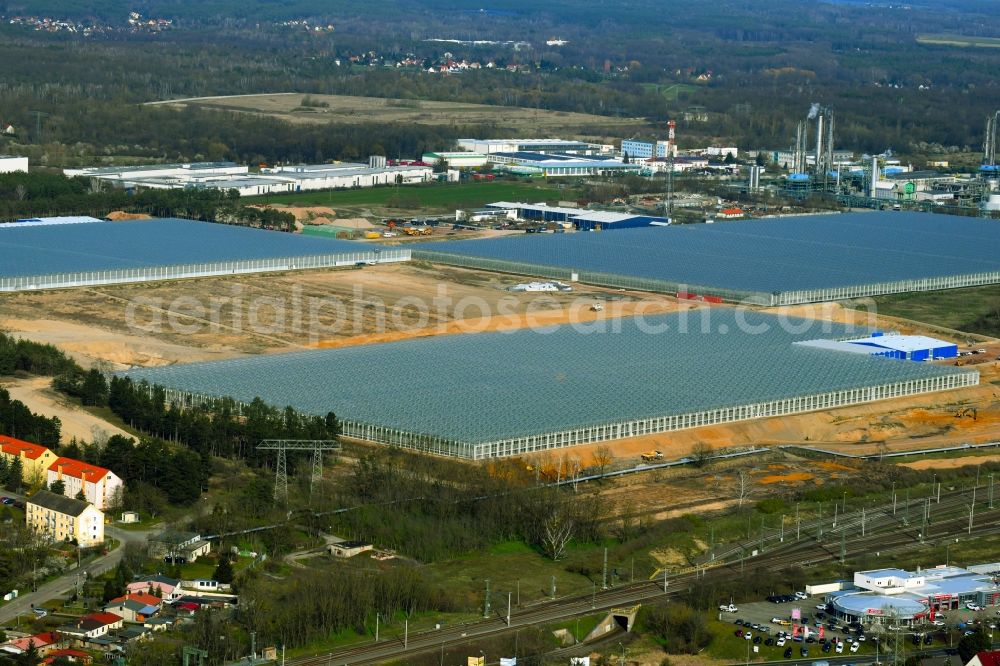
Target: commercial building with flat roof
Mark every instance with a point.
(899, 596)
(893, 345)
(490, 146)
(13, 164)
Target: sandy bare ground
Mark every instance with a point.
(38, 395)
(213, 318)
(90, 344)
(950, 463)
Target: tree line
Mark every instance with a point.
(41, 194)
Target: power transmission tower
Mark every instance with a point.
(282, 446)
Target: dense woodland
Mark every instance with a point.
(75, 99)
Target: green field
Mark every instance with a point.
(973, 310)
(960, 40)
(437, 197)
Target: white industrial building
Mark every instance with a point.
(13, 164)
(273, 180)
(907, 597)
(456, 160)
(490, 146)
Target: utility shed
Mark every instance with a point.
(908, 347)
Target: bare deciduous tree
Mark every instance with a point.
(556, 533)
(603, 458)
(743, 486)
(700, 454)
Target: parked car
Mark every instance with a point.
(855, 646)
(827, 646)
(788, 653)
(821, 607)
(757, 639)
(804, 651)
(730, 608)
(973, 607)
(840, 647)
(738, 633)
(938, 623)
(781, 642)
(928, 639)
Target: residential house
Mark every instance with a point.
(991, 658)
(182, 547)
(168, 589)
(70, 655)
(137, 607)
(91, 626)
(44, 643)
(349, 548)
(35, 458)
(65, 519)
(99, 485)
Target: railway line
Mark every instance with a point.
(884, 537)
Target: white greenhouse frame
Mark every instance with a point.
(206, 269)
(619, 430)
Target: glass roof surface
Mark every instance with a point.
(769, 255)
(489, 386)
(72, 248)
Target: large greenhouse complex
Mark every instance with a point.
(502, 394)
(50, 253)
(779, 261)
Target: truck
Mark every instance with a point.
(731, 608)
(650, 456)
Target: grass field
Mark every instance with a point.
(347, 109)
(960, 40)
(974, 310)
(438, 197)
(671, 92)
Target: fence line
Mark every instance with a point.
(620, 430)
(791, 297)
(204, 269)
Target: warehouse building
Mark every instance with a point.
(273, 180)
(455, 160)
(491, 146)
(579, 218)
(562, 164)
(903, 347)
(13, 164)
(898, 596)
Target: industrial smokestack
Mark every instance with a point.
(875, 175)
(819, 144)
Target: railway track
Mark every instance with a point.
(805, 552)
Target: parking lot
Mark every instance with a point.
(774, 619)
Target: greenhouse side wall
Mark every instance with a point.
(181, 271)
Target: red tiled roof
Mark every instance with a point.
(79, 469)
(141, 597)
(103, 618)
(989, 658)
(39, 640)
(732, 211)
(14, 447)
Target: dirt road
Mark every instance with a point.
(38, 395)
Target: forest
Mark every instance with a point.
(750, 71)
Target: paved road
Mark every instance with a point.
(66, 583)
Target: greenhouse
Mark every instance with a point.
(502, 394)
(70, 255)
(778, 261)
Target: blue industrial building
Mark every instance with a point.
(902, 347)
(580, 218)
(597, 220)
